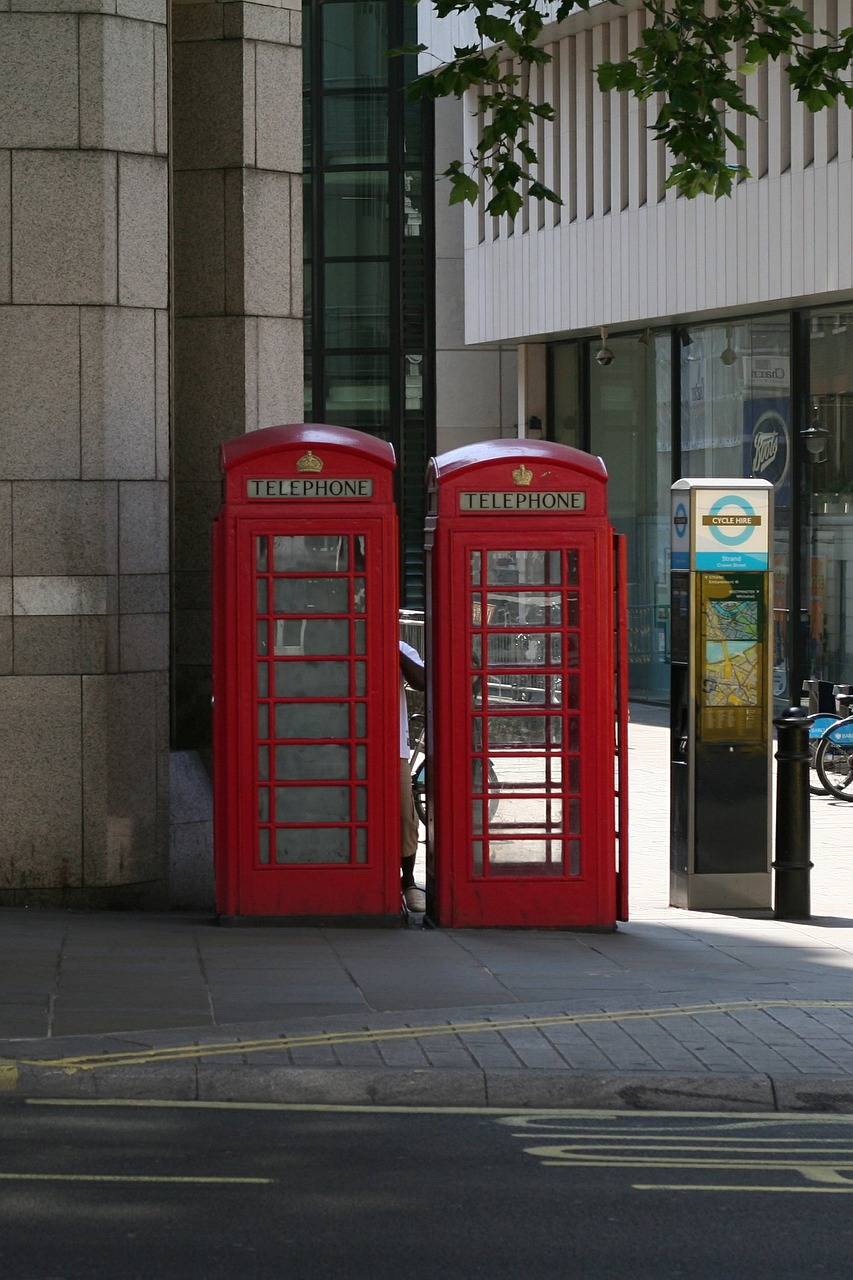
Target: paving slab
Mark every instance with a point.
(676, 1010)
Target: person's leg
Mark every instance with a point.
(408, 827)
(415, 897)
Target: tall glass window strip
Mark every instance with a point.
(827, 554)
(369, 245)
(631, 429)
(736, 420)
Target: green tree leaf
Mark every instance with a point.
(693, 54)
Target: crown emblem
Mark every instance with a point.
(309, 462)
(522, 475)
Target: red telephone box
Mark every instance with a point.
(527, 707)
(306, 678)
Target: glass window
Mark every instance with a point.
(312, 844)
(414, 125)
(828, 460)
(357, 300)
(355, 45)
(736, 422)
(312, 804)
(412, 204)
(312, 720)
(357, 392)
(729, 376)
(525, 857)
(306, 42)
(307, 132)
(306, 554)
(308, 391)
(524, 609)
(523, 568)
(310, 595)
(307, 215)
(309, 636)
(631, 428)
(312, 764)
(355, 129)
(364, 181)
(526, 650)
(356, 213)
(312, 679)
(524, 731)
(565, 400)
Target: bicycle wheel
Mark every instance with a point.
(816, 731)
(494, 790)
(419, 790)
(834, 764)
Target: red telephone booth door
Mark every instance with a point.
(307, 743)
(523, 732)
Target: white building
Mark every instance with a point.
(730, 323)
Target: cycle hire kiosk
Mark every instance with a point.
(306, 679)
(721, 710)
(522, 724)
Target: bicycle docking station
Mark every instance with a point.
(721, 705)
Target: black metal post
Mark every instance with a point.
(793, 835)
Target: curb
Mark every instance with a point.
(426, 1087)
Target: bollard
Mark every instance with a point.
(792, 846)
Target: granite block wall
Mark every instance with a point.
(237, 93)
(84, 453)
(126, 358)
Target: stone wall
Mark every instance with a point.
(110, 425)
(84, 452)
(237, 157)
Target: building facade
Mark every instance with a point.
(151, 284)
(150, 307)
(384, 348)
(729, 326)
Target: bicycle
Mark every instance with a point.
(818, 725)
(834, 754)
(417, 762)
(417, 768)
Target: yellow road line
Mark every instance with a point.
(8, 1075)
(176, 1053)
(501, 1115)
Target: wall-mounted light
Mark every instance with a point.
(534, 428)
(815, 437)
(604, 355)
(729, 355)
(645, 338)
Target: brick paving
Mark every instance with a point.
(675, 1008)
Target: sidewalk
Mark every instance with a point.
(677, 1010)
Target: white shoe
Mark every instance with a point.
(415, 900)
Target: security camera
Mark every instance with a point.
(604, 356)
